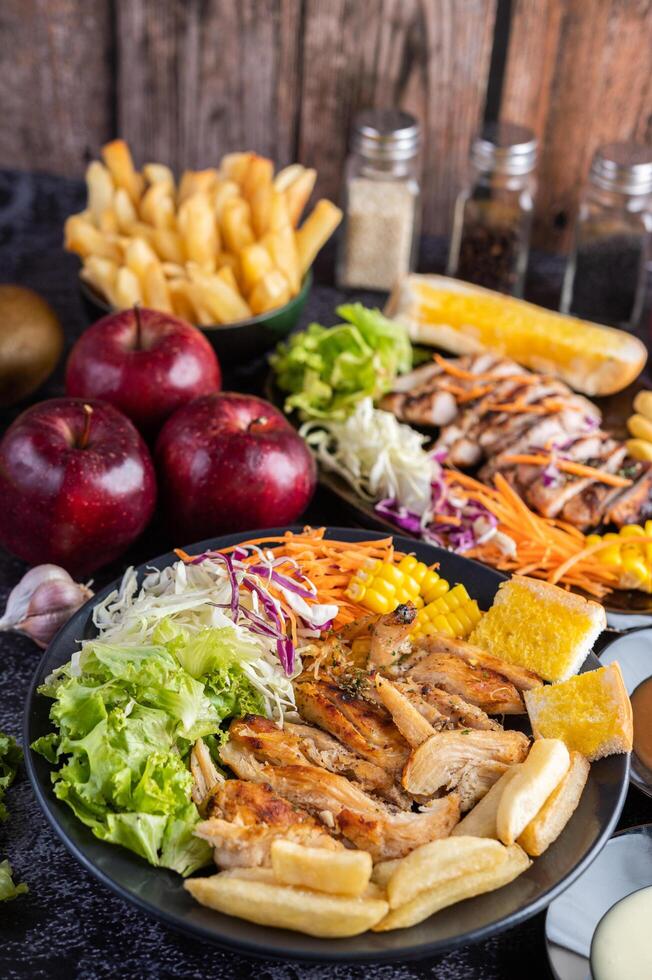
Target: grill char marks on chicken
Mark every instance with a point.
(362, 726)
(503, 410)
(385, 831)
(244, 818)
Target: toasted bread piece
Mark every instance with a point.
(541, 627)
(592, 712)
(557, 810)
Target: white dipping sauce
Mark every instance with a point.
(622, 943)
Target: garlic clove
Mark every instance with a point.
(44, 599)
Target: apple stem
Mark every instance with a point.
(261, 420)
(139, 327)
(88, 411)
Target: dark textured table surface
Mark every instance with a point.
(68, 925)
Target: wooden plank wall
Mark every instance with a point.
(187, 80)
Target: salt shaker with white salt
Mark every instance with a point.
(382, 211)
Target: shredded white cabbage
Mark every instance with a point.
(378, 455)
(189, 595)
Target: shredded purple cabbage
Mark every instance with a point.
(405, 519)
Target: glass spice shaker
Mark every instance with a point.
(606, 272)
(493, 214)
(381, 205)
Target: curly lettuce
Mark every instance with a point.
(126, 718)
(329, 370)
(10, 757)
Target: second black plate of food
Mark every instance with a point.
(160, 892)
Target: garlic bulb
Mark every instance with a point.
(44, 599)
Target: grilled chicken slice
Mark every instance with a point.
(549, 498)
(363, 727)
(450, 710)
(369, 641)
(244, 818)
(485, 688)
(431, 408)
(367, 823)
(520, 677)
(205, 774)
(469, 757)
(635, 503)
(322, 749)
(407, 717)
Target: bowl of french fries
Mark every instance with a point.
(224, 248)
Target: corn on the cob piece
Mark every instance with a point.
(627, 554)
(381, 586)
(454, 614)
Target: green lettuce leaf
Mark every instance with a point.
(7, 887)
(126, 722)
(328, 370)
(10, 757)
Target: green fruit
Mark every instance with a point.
(31, 341)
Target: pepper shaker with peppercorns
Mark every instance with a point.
(493, 214)
(606, 272)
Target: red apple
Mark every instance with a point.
(77, 484)
(144, 362)
(232, 462)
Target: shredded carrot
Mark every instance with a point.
(568, 466)
(466, 394)
(546, 548)
(521, 407)
(327, 563)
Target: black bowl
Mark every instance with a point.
(160, 892)
(234, 343)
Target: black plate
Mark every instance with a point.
(160, 892)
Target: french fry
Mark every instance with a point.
(168, 245)
(125, 211)
(204, 317)
(335, 872)
(287, 176)
(197, 182)
(298, 194)
(172, 270)
(255, 262)
(127, 290)
(158, 173)
(222, 302)
(101, 274)
(139, 255)
(287, 907)
(269, 293)
(261, 206)
(100, 189)
(384, 870)
(282, 248)
(235, 224)
(413, 726)
(182, 304)
(117, 157)
(197, 226)
(259, 173)
(546, 765)
(234, 166)
(157, 206)
(315, 231)
(155, 288)
(225, 191)
(430, 865)
(227, 274)
(557, 810)
(481, 820)
(82, 237)
(279, 216)
(453, 890)
(108, 223)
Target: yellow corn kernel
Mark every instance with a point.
(632, 531)
(385, 588)
(375, 602)
(441, 625)
(475, 612)
(611, 556)
(593, 539)
(648, 528)
(355, 590)
(436, 591)
(391, 573)
(463, 618)
(455, 624)
(368, 570)
(611, 537)
(419, 603)
(636, 568)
